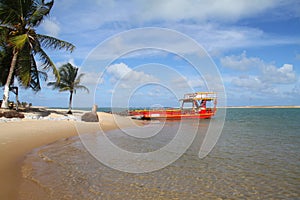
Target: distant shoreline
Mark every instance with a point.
(261, 107)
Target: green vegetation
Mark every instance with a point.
(69, 81)
(20, 44)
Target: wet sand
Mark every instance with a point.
(19, 138)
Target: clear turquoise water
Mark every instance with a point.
(256, 157)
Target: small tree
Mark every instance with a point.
(69, 81)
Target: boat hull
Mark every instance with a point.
(171, 114)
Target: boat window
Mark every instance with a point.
(187, 105)
(210, 104)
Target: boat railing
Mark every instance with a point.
(200, 95)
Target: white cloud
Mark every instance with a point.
(189, 83)
(88, 24)
(145, 42)
(241, 62)
(118, 70)
(260, 81)
(213, 37)
(51, 27)
(218, 37)
(210, 22)
(248, 82)
(229, 10)
(266, 73)
(91, 78)
(282, 75)
(128, 77)
(94, 13)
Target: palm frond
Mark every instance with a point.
(5, 30)
(66, 88)
(47, 62)
(23, 66)
(5, 60)
(43, 75)
(79, 77)
(54, 43)
(10, 12)
(35, 76)
(53, 84)
(69, 79)
(41, 9)
(82, 87)
(19, 41)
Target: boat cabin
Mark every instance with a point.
(199, 101)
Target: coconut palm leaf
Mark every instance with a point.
(23, 66)
(19, 41)
(42, 9)
(54, 43)
(9, 12)
(47, 63)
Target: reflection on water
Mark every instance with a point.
(257, 157)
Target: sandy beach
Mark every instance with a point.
(42, 158)
(19, 137)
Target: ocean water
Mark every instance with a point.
(256, 157)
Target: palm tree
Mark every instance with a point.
(69, 81)
(18, 20)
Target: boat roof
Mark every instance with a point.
(208, 96)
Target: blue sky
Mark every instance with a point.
(255, 45)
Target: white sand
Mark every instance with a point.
(19, 138)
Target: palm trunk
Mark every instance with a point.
(17, 98)
(70, 102)
(8, 80)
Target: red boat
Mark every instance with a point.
(199, 105)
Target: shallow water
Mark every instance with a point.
(256, 157)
